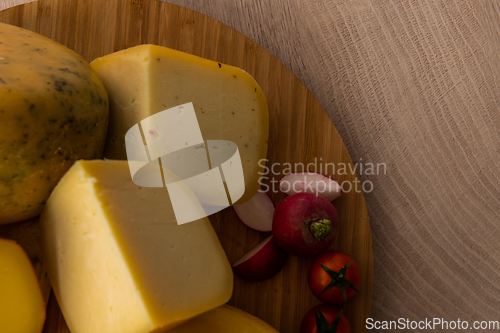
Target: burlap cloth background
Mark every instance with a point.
(412, 84)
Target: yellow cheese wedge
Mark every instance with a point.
(53, 111)
(225, 319)
(22, 309)
(118, 261)
(229, 104)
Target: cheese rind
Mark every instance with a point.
(53, 111)
(229, 104)
(22, 309)
(225, 319)
(115, 253)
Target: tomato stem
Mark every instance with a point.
(338, 279)
(322, 324)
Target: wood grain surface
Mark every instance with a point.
(300, 133)
(414, 85)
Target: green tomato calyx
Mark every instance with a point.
(338, 279)
(322, 323)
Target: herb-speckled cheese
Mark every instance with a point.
(228, 102)
(53, 111)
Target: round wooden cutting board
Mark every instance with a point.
(300, 134)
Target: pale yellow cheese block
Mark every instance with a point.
(22, 309)
(225, 319)
(228, 102)
(118, 261)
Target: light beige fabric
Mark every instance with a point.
(415, 85)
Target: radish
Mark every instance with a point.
(257, 213)
(262, 262)
(310, 182)
(305, 224)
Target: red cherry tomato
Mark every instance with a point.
(328, 276)
(309, 323)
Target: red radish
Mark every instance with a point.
(257, 213)
(305, 224)
(262, 262)
(310, 182)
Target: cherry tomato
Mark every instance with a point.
(320, 319)
(332, 272)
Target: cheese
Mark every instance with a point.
(22, 309)
(225, 319)
(118, 261)
(53, 111)
(229, 104)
